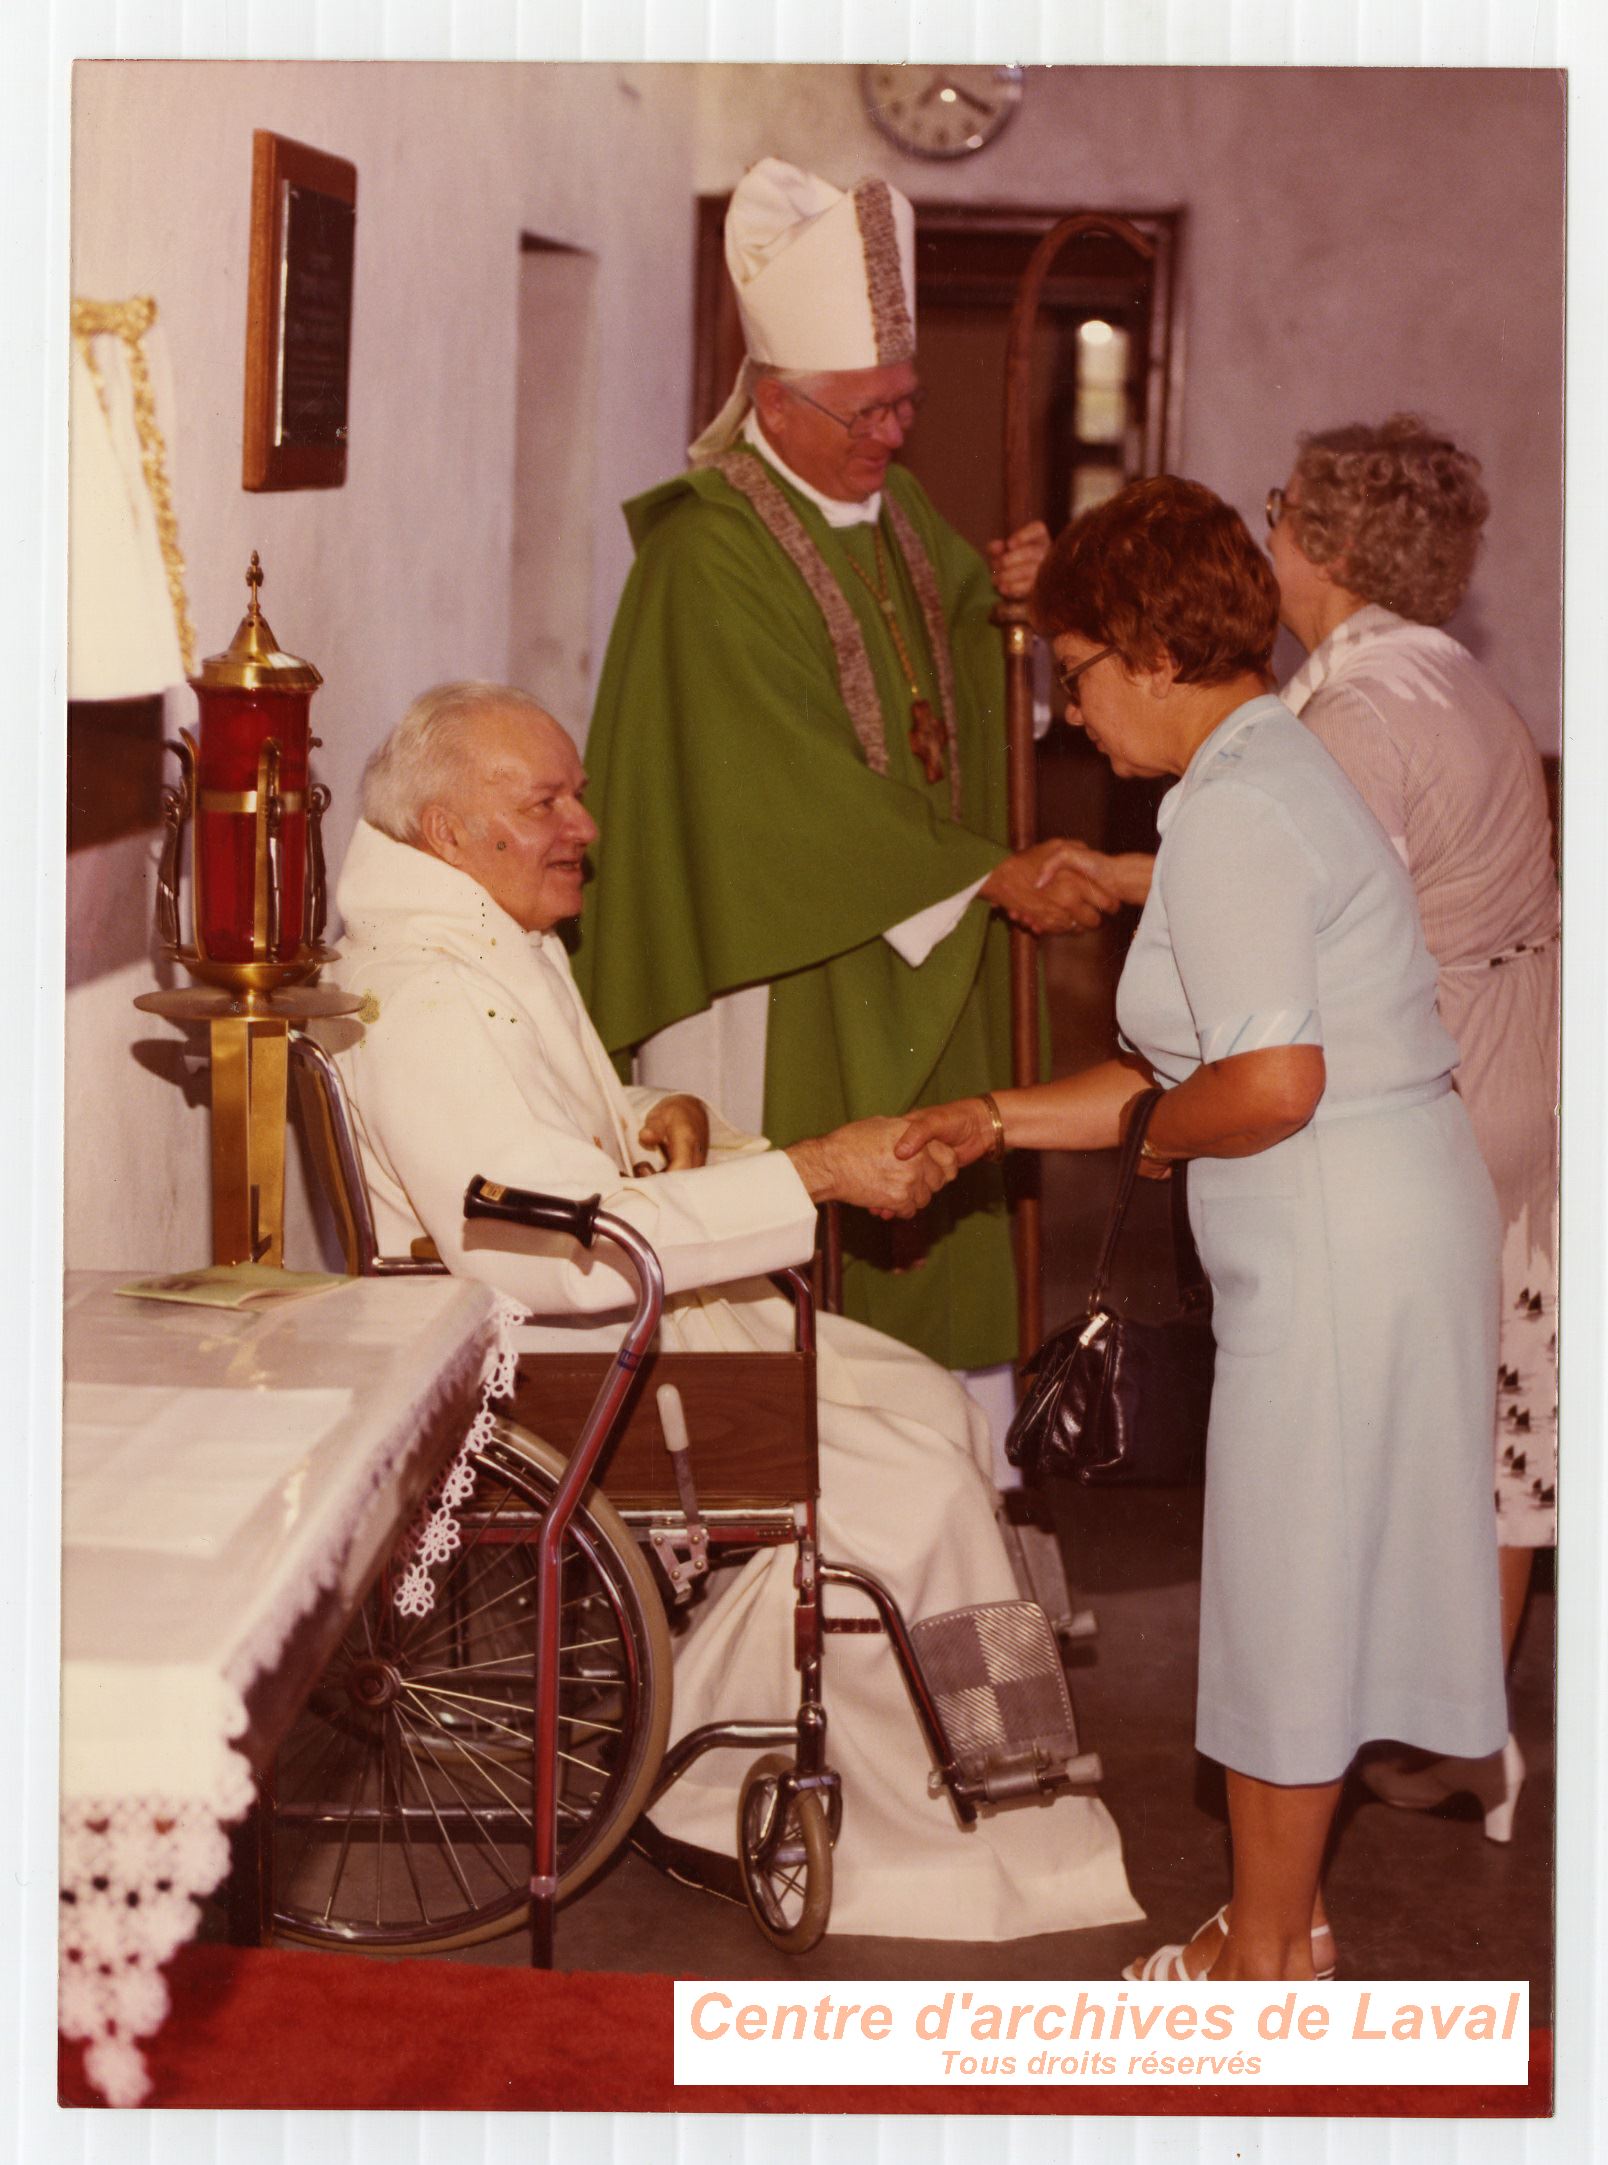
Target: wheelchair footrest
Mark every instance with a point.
(995, 1673)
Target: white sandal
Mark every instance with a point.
(1166, 1965)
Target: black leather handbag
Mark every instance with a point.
(1114, 1400)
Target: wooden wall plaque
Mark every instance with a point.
(298, 315)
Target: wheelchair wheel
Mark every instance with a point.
(784, 1854)
(402, 1807)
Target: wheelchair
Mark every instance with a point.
(459, 1773)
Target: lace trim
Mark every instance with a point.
(925, 581)
(435, 1535)
(745, 471)
(132, 1876)
(891, 326)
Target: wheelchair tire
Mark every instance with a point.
(402, 1797)
(785, 1858)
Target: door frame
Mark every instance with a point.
(966, 251)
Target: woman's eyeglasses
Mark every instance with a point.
(1277, 505)
(1068, 678)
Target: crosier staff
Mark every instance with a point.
(1012, 618)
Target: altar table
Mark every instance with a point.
(232, 1481)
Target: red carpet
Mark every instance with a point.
(311, 2031)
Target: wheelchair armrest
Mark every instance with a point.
(796, 1285)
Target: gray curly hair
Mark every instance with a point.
(1394, 512)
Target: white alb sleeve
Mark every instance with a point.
(914, 940)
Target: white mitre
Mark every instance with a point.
(824, 280)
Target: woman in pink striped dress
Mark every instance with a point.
(1373, 539)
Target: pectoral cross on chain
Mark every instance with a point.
(927, 739)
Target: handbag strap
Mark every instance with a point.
(1187, 1271)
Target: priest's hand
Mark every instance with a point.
(1013, 563)
(857, 1164)
(679, 1126)
(1049, 888)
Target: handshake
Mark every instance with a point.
(893, 1168)
(859, 1163)
(863, 1164)
(1064, 886)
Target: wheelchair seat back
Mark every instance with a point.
(751, 1415)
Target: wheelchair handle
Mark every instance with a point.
(523, 1206)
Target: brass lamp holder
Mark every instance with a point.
(250, 1003)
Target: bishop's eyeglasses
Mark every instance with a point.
(866, 420)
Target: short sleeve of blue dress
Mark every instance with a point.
(1245, 896)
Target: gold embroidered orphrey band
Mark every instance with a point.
(745, 471)
(925, 581)
(129, 321)
(891, 326)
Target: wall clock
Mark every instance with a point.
(938, 112)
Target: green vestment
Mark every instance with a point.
(746, 840)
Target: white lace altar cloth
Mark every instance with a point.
(224, 1474)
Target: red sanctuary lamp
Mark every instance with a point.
(257, 905)
(257, 884)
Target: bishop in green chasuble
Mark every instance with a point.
(748, 839)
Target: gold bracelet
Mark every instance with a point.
(1147, 1149)
(996, 1149)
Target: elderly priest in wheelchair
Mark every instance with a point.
(478, 1057)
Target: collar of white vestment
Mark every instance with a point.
(403, 904)
(391, 889)
(832, 508)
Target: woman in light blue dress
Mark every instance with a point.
(1279, 990)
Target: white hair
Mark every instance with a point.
(423, 762)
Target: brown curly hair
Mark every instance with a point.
(1163, 566)
(1394, 512)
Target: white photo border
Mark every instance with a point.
(42, 38)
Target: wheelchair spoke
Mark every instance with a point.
(463, 1698)
(456, 1622)
(407, 1847)
(404, 1805)
(467, 1698)
(345, 1846)
(447, 1844)
(465, 1749)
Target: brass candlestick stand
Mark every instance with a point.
(257, 915)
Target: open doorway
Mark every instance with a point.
(1103, 390)
(555, 446)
